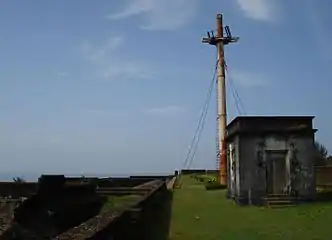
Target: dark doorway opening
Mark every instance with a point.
(276, 171)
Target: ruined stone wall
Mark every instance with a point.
(51, 211)
(149, 219)
(121, 182)
(131, 181)
(16, 190)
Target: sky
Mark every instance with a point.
(116, 87)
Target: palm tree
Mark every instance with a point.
(18, 180)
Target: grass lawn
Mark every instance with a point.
(207, 215)
(115, 202)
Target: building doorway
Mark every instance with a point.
(276, 178)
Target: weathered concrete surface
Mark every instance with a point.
(148, 218)
(251, 146)
(170, 183)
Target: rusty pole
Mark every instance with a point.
(222, 113)
(220, 41)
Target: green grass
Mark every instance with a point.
(201, 214)
(210, 181)
(204, 177)
(119, 201)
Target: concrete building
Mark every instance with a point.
(270, 155)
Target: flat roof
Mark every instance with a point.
(241, 118)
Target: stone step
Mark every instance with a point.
(282, 206)
(280, 199)
(277, 195)
(279, 203)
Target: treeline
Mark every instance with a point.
(322, 156)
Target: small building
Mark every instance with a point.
(270, 156)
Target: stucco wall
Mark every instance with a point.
(251, 176)
(233, 187)
(305, 182)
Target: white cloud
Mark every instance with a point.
(167, 110)
(131, 70)
(99, 53)
(132, 8)
(110, 64)
(159, 15)
(248, 79)
(261, 10)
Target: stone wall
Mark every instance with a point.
(17, 190)
(193, 171)
(150, 219)
(199, 171)
(120, 182)
(58, 206)
(251, 162)
(54, 210)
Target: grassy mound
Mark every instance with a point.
(210, 181)
(213, 184)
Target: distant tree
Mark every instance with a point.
(18, 180)
(321, 154)
(83, 178)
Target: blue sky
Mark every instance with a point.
(117, 86)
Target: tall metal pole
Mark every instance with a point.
(222, 113)
(220, 41)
